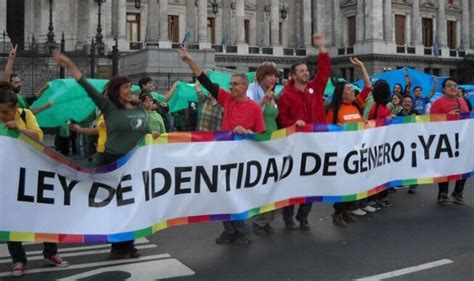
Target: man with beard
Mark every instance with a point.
(301, 104)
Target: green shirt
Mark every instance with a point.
(22, 103)
(155, 121)
(125, 126)
(270, 114)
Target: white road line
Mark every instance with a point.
(405, 271)
(75, 254)
(87, 265)
(4, 250)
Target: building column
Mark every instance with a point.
(163, 37)
(441, 24)
(121, 25)
(275, 23)
(242, 46)
(227, 22)
(202, 25)
(151, 36)
(360, 22)
(338, 32)
(415, 23)
(275, 28)
(191, 20)
(292, 22)
(465, 32)
(307, 25)
(471, 12)
(374, 21)
(3, 20)
(387, 21)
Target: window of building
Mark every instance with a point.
(133, 27)
(427, 32)
(211, 30)
(351, 31)
(400, 29)
(173, 28)
(452, 34)
(247, 31)
(436, 71)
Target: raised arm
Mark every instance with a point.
(365, 74)
(433, 90)
(407, 81)
(102, 103)
(197, 71)
(171, 91)
(9, 66)
(324, 65)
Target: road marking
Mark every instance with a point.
(92, 264)
(151, 270)
(405, 271)
(76, 254)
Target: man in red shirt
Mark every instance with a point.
(241, 116)
(302, 103)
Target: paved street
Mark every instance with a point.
(414, 240)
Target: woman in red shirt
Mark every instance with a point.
(451, 104)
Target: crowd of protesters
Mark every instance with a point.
(124, 117)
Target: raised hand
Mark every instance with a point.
(184, 55)
(318, 40)
(356, 61)
(12, 53)
(65, 62)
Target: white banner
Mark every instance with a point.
(166, 181)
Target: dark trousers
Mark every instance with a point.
(341, 207)
(303, 212)
(17, 252)
(239, 227)
(458, 187)
(124, 247)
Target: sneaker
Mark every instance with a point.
(18, 269)
(242, 239)
(290, 224)
(458, 199)
(259, 230)
(269, 230)
(338, 220)
(226, 238)
(304, 225)
(56, 260)
(369, 209)
(359, 212)
(411, 190)
(348, 217)
(121, 254)
(386, 204)
(444, 201)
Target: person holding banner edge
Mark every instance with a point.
(450, 104)
(24, 121)
(301, 103)
(126, 126)
(241, 116)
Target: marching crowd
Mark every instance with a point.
(124, 117)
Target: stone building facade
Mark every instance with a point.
(429, 35)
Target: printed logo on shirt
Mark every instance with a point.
(311, 91)
(137, 124)
(351, 116)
